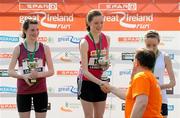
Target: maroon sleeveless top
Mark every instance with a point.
(40, 86)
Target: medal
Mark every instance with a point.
(100, 60)
(98, 51)
(32, 63)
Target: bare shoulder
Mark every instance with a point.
(17, 50)
(167, 59)
(46, 47)
(83, 43)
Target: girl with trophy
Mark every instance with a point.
(32, 56)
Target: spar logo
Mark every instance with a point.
(76, 72)
(118, 6)
(68, 89)
(45, 39)
(12, 39)
(67, 72)
(130, 39)
(37, 6)
(7, 106)
(55, 21)
(7, 89)
(69, 38)
(5, 55)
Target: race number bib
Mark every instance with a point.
(26, 66)
(93, 62)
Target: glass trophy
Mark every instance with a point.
(104, 66)
(105, 77)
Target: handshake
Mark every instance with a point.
(117, 91)
(105, 87)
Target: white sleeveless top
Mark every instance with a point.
(159, 73)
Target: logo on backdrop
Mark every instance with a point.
(55, 21)
(110, 106)
(68, 56)
(137, 21)
(118, 6)
(4, 73)
(130, 39)
(132, 21)
(37, 6)
(125, 72)
(12, 39)
(70, 107)
(67, 72)
(127, 56)
(171, 107)
(5, 55)
(51, 90)
(68, 89)
(8, 106)
(171, 56)
(46, 39)
(69, 38)
(7, 89)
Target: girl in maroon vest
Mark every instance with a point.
(94, 51)
(32, 56)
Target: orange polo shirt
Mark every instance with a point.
(144, 83)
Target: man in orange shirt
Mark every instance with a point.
(143, 96)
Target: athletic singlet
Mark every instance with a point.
(159, 73)
(92, 56)
(40, 59)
